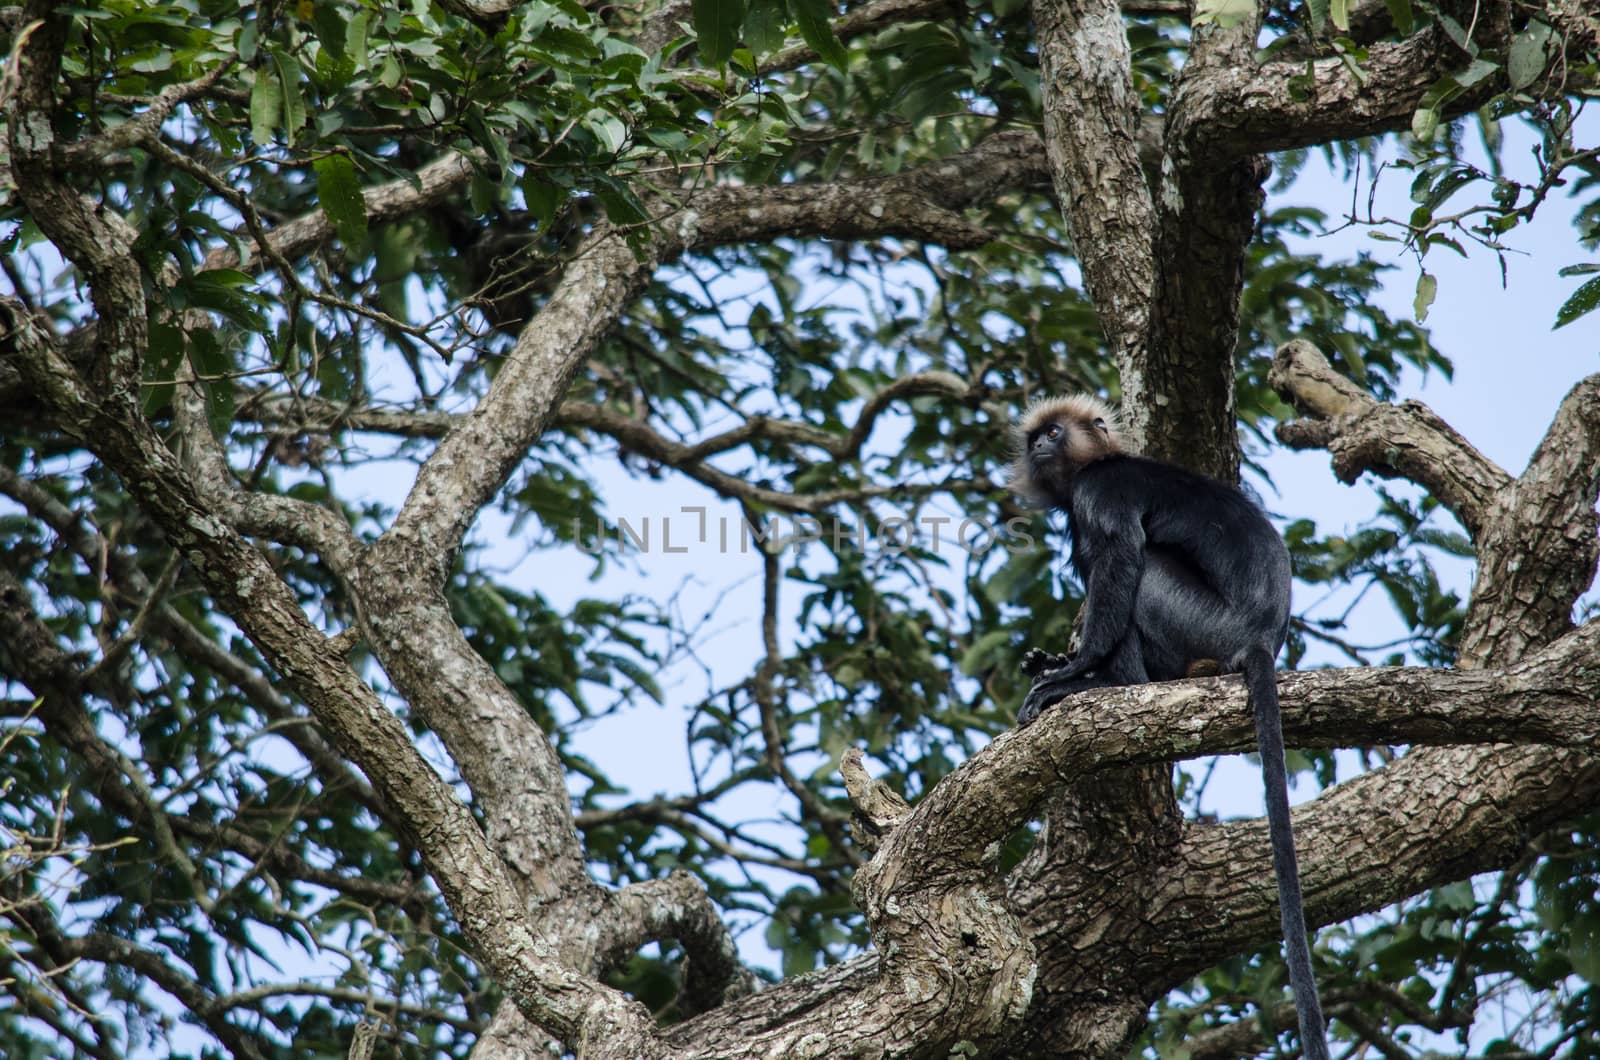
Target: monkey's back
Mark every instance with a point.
(1215, 580)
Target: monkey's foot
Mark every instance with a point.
(1032, 707)
(1036, 662)
(1047, 688)
(1054, 685)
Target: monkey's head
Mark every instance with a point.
(1056, 438)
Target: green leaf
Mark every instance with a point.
(266, 105)
(812, 16)
(983, 650)
(164, 354)
(1453, 30)
(355, 38)
(622, 206)
(1404, 20)
(214, 370)
(1583, 300)
(1476, 71)
(543, 198)
(1530, 50)
(339, 194)
(1339, 14)
(608, 129)
(1229, 12)
(1427, 288)
(249, 41)
(1424, 123)
(294, 106)
(331, 28)
(763, 26)
(716, 24)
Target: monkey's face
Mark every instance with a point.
(1053, 459)
(1058, 437)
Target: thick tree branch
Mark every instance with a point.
(94, 239)
(245, 585)
(1206, 218)
(1260, 108)
(489, 14)
(678, 909)
(1091, 141)
(1362, 434)
(1552, 697)
(1538, 550)
(384, 202)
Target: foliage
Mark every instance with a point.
(910, 652)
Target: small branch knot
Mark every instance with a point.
(879, 809)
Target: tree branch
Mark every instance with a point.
(677, 908)
(1362, 434)
(1206, 217)
(64, 950)
(283, 519)
(473, 880)
(1538, 550)
(1085, 68)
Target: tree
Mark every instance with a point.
(284, 756)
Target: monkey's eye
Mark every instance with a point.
(1099, 424)
(1052, 432)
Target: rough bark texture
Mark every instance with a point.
(1120, 898)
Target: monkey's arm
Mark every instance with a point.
(1113, 540)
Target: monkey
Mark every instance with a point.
(1182, 574)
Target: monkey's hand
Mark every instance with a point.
(1036, 662)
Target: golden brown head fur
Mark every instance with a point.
(1091, 434)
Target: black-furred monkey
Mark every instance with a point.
(1176, 567)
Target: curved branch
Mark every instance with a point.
(1551, 698)
(1363, 434)
(278, 518)
(678, 908)
(147, 123)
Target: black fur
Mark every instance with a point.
(1178, 567)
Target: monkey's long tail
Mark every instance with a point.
(1262, 679)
